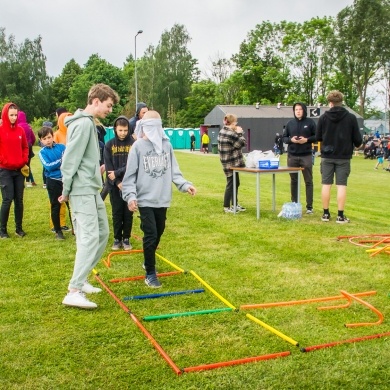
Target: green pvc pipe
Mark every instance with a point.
(188, 313)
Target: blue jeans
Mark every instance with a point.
(12, 189)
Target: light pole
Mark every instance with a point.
(135, 67)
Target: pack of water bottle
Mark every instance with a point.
(291, 210)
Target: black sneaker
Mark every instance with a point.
(60, 236)
(342, 219)
(325, 218)
(152, 281)
(65, 228)
(20, 233)
(4, 234)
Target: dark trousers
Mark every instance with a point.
(43, 176)
(54, 189)
(153, 226)
(228, 197)
(305, 162)
(12, 189)
(122, 217)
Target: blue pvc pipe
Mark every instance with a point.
(150, 296)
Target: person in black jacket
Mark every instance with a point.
(299, 134)
(338, 131)
(116, 151)
(139, 114)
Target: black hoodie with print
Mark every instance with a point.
(304, 127)
(116, 152)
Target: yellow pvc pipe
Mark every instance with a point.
(273, 330)
(212, 290)
(170, 263)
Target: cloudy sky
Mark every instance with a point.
(78, 28)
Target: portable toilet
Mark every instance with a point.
(109, 133)
(169, 132)
(180, 138)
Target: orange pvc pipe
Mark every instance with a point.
(177, 370)
(110, 292)
(372, 308)
(371, 241)
(143, 277)
(344, 306)
(364, 235)
(355, 340)
(236, 362)
(107, 262)
(380, 242)
(300, 302)
(385, 248)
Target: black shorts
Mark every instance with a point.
(341, 168)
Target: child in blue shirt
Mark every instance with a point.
(379, 156)
(51, 159)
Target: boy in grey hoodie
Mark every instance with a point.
(147, 185)
(82, 182)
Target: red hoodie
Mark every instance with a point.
(13, 143)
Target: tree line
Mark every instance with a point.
(281, 62)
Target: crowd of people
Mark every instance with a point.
(337, 130)
(74, 158)
(139, 166)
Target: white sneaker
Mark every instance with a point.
(78, 299)
(228, 210)
(89, 289)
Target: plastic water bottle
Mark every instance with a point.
(291, 210)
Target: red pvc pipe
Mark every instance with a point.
(236, 362)
(143, 277)
(177, 370)
(355, 340)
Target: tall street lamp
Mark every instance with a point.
(135, 67)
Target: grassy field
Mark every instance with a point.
(45, 345)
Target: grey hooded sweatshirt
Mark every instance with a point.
(80, 164)
(149, 176)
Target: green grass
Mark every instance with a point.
(47, 346)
